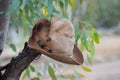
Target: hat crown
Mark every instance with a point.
(62, 35)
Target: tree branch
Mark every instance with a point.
(19, 64)
(4, 22)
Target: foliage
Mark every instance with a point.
(30, 69)
(27, 12)
(11, 45)
(104, 13)
(86, 69)
(51, 73)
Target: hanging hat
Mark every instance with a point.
(55, 39)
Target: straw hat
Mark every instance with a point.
(55, 39)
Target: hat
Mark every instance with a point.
(55, 39)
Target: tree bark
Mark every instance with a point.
(4, 22)
(19, 64)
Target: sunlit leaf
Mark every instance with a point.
(96, 36)
(32, 68)
(52, 73)
(81, 1)
(71, 3)
(13, 47)
(24, 23)
(70, 77)
(81, 46)
(81, 75)
(85, 68)
(35, 78)
(24, 76)
(45, 11)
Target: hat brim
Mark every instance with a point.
(76, 58)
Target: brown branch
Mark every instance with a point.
(19, 64)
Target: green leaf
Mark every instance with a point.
(50, 6)
(66, 4)
(78, 74)
(45, 11)
(85, 68)
(14, 6)
(24, 23)
(26, 10)
(92, 48)
(35, 78)
(17, 29)
(96, 36)
(77, 33)
(62, 6)
(29, 19)
(13, 47)
(65, 16)
(32, 68)
(71, 3)
(1, 12)
(23, 4)
(28, 72)
(51, 73)
(29, 3)
(84, 40)
(62, 76)
(81, 1)
(81, 46)
(44, 2)
(24, 75)
(89, 58)
(70, 77)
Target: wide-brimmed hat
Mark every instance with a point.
(55, 39)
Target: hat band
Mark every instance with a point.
(41, 45)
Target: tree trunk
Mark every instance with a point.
(18, 64)
(4, 22)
